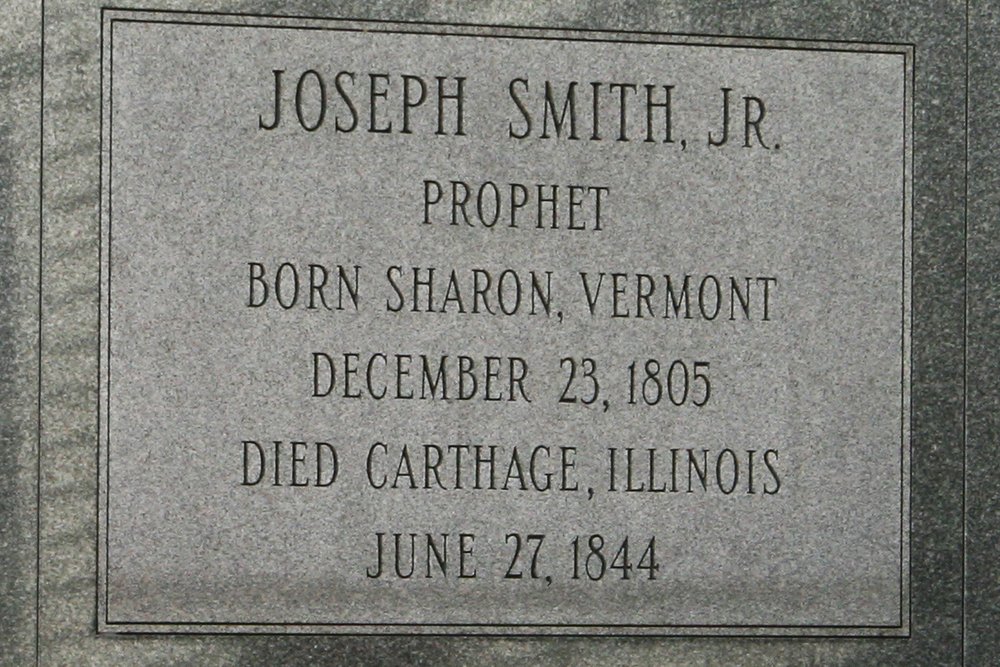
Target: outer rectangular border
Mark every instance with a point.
(110, 16)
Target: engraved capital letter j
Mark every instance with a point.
(712, 141)
(277, 103)
(378, 560)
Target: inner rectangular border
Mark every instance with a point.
(111, 15)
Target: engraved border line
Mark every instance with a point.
(782, 44)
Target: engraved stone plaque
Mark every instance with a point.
(478, 330)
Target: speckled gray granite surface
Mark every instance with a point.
(19, 67)
(982, 491)
(66, 625)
